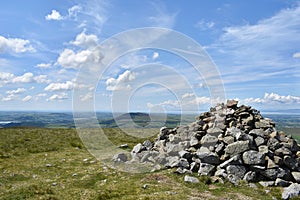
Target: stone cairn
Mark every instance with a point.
(230, 142)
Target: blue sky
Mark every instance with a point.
(255, 46)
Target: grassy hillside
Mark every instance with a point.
(53, 164)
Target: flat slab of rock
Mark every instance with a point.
(237, 148)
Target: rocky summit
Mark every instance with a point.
(229, 142)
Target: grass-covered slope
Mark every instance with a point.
(53, 164)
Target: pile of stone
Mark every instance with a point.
(230, 142)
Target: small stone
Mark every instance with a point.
(259, 141)
(233, 179)
(282, 183)
(145, 186)
(148, 144)
(235, 160)
(266, 183)
(231, 103)
(271, 163)
(48, 165)
(250, 176)
(54, 184)
(263, 149)
(296, 176)
(206, 169)
(190, 179)
(123, 146)
(228, 139)
(121, 157)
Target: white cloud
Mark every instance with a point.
(5, 78)
(17, 91)
(85, 41)
(58, 97)
(205, 25)
(187, 95)
(163, 18)
(86, 97)
(41, 79)
(55, 15)
(59, 86)
(274, 98)
(44, 65)
(27, 98)
(25, 78)
(15, 45)
(155, 55)
(296, 55)
(167, 103)
(122, 82)
(41, 95)
(74, 10)
(70, 59)
(8, 98)
(265, 41)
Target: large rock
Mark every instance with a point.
(253, 157)
(236, 148)
(292, 191)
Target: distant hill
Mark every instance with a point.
(139, 119)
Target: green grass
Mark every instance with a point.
(74, 174)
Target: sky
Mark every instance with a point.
(253, 49)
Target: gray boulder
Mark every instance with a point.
(236, 148)
(292, 191)
(253, 157)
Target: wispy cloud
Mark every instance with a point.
(163, 17)
(204, 25)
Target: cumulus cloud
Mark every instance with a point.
(15, 45)
(5, 78)
(17, 91)
(58, 97)
(274, 98)
(54, 15)
(41, 79)
(122, 82)
(85, 41)
(25, 78)
(296, 55)
(59, 86)
(72, 60)
(27, 98)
